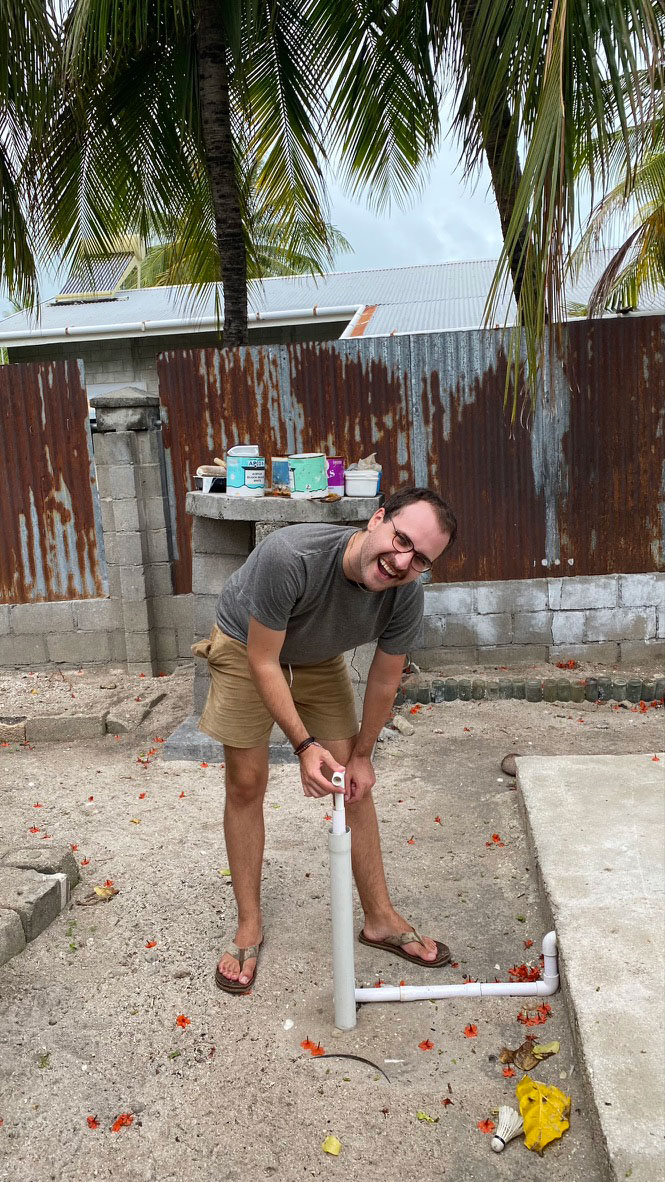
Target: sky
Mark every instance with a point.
(446, 222)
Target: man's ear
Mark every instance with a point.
(375, 520)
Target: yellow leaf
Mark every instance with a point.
(543, 1050)
(135, 820)
(224, 873)
(105, 892)
(544, 1112)
(430, 1120)
(331, 1145)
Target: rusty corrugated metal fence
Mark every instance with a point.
(50, 545)
(575, 488)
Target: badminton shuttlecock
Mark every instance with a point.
(509, 1125)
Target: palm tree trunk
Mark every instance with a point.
(502, 156)
(506, 173)
(218, 145)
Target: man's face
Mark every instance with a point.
(382, 566)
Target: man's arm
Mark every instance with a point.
(383, 681)
(264, 646)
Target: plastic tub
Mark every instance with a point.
(361, 482)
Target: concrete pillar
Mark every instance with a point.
(130, 477)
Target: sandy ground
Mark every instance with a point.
(89, 1012)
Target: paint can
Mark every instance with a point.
(281, 476)
(245, 471)
(335, 473)
(308, 473)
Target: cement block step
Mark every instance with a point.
(597, 827)
(37, 899)
(188, 742)
(12, 936)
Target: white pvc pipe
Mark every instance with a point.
(543, 988)
(341, 903)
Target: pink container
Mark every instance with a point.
(335, 468)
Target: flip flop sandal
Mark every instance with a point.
(395, 944)
(241, 955)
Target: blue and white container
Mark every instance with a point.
(245, 471)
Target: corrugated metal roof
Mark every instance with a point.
(436, 298)
(95, 275)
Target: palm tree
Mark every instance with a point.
(26, 44)
(173, 112)
(637, 266)
(546, 78)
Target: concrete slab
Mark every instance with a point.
(597, 827)
(189, 743)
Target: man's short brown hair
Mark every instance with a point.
(412, 496)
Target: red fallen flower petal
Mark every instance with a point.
(486, 1126)
(38, 806)
(183, 1021)
(402, 982)
(496, 839)
(327, 817)
(33, 829)
(109, 882)
(85, 861)
(181, 796)
(411, 841)
(655, 759)
(467, 729)
(93, 1123)
(438, 821)
(415, 709)
(522, 972)
(307, 1044)
(528, 943)
(470, 1031)
(90, 798)
(446, 1102)
(158, 739)
(74, 848)
(318, 1050)
(46, 835)
(141, 795)
(151, 944)
(454, 964)
(508, 1072)
(203, 764)
(125, 1118)
(426, 1045)
(535, 1019)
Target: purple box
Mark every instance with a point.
(335, 470)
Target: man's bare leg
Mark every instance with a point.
(246, 774)
(381, 918)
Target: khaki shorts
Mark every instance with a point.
(234, 713)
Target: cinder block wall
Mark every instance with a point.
(607, 619)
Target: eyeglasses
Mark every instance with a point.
(402, 544)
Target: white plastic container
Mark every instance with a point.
(361, 482)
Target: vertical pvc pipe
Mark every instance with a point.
(341, 905)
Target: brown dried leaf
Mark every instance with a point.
(523, 1056)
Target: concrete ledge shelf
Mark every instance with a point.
(275, 510)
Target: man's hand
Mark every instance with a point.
(360, 777)
(312, 762)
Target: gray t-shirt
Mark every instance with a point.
(294, 581)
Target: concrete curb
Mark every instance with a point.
(421, 689)
(125, 716)
(35, 886)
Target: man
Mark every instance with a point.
(305, 596)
